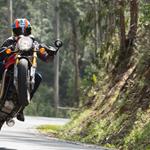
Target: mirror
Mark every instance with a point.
(58, 43)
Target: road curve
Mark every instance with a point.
(24, 136)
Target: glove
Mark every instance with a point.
(50, 50)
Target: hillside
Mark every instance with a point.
(116, 112)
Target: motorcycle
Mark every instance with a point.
(19, 76)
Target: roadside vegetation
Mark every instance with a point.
(116, 109)
(114, 103)
(50, 129)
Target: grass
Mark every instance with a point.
(51, 128)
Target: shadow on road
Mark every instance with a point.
(3, 148)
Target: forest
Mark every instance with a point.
(104, 67)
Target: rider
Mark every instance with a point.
(23, 27)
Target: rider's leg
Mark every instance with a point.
(20, 115)
(1, 70)
(38, 79)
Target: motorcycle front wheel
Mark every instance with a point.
(23, 81)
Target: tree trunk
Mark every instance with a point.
(56, 65)
(11, 12)
(126, 42)
(122, 29)
(130, 41)
(97, 36)
(133, 22)
(76, 63)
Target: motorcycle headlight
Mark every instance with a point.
(25, 43)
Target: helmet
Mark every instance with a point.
(21, 27)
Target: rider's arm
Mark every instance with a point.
(46, 57)
(8, 42)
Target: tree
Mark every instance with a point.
(56, 79)
(127, 41)
(5, 30)
(71, 16)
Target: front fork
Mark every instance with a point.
(33, 69)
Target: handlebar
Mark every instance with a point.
(49, 49)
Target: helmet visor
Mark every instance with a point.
(17, 31)
(22, 31)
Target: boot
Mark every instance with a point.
(20, 116)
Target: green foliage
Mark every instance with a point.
(139, 136)
(145, 13)
(74, 126)
(42, 103)
(50, 128)
(123, 121)
(89, 72)
(4, 22)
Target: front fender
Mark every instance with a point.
(29, 62)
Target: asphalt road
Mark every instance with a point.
(24, 136)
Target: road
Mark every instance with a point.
(24, 136)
